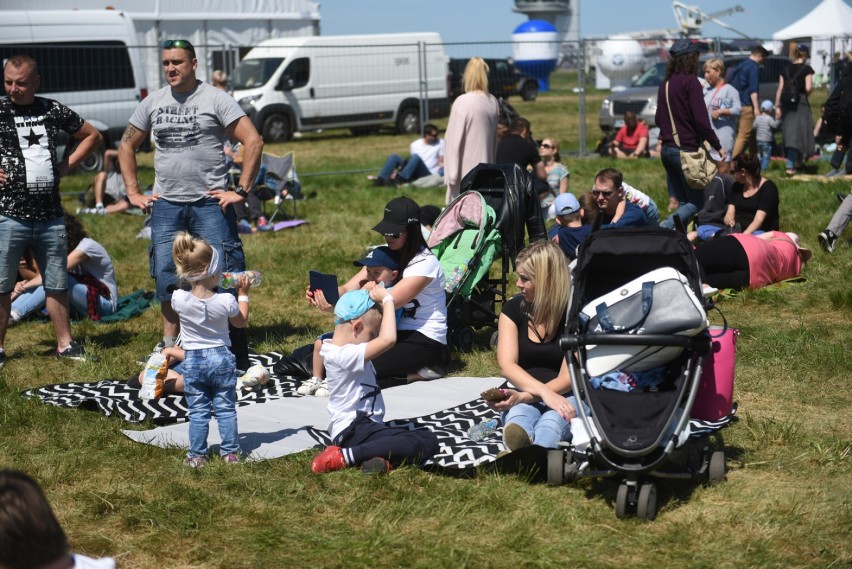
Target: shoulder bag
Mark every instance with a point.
(698, 168)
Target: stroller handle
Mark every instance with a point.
(699, 343)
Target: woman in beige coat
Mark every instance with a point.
(471, 136)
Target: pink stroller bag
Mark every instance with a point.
(715, 396)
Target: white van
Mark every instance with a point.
(87, 60)
(357, 82)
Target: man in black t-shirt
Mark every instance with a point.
(30, 206)
(518, 148)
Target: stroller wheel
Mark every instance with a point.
(716, 471)
(646, 508)
(464, 338)
(493, 341)
(555, 467)
(621, 501)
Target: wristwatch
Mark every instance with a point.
(241, 192)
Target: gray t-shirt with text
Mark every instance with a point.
(189, 133)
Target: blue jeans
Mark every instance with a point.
(677, 186)
(544, 426)
(210, 382)
(794, 156)
(34, 299)
(203, 218)
(414, 168)
(49, 243)
(652, 214)
(765, 150)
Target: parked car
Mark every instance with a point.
(504, 80)
(641, 96)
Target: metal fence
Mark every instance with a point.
(362, 84)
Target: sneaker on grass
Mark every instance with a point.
(329, 460)
(827, 239)
(74, 351)
(231, 458)
(377, 465)
(195, 461)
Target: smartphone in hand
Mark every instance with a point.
(494, 395)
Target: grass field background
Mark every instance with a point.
(786, 502)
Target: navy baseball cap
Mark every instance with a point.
(380, 257)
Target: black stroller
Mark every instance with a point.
(508, 190)
(625, 320)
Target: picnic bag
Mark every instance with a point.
(658, 302)
(698, 168)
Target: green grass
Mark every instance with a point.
(786, 501)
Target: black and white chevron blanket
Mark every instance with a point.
(457, 451)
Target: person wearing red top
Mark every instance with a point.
(631, 140)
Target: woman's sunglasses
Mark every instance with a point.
(392, 235)
(546, 146)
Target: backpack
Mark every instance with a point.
(790, 93)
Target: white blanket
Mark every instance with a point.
(294, 424)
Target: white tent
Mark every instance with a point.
(829, 23)
(218, 28)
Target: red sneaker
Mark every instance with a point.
(262, 222)
(329, 460)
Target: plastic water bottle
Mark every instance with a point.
(452, 283)
(483, 430)
(229, 280)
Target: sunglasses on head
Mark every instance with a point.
(180, 44)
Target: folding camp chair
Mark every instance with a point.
(282, 179)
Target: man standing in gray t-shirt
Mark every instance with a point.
(189, 121)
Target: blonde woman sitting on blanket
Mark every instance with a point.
(537, 411)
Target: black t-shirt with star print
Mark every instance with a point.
(28, 156)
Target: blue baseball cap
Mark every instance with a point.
(352, 305)
(380, 257)
(566, 204)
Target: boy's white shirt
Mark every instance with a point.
(352, 386)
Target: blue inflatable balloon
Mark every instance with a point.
(535, 50)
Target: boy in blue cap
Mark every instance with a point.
(358, 433)
(569, 230)
(382, 267)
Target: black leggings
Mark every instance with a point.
(723, 263)
(412, 352)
